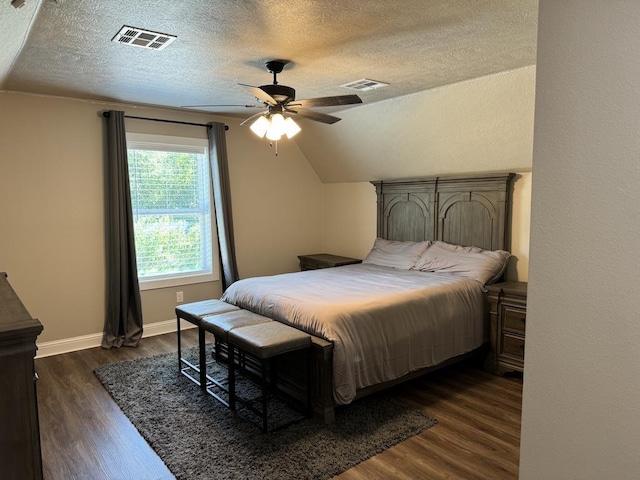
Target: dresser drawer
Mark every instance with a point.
(513, 345)
(514, 318)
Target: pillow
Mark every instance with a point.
(485, 266)
(391, 253)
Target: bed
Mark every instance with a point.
(374, 326)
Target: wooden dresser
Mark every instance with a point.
(19, 430)
(324, 260)
(507, 317)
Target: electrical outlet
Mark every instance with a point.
(179, 297)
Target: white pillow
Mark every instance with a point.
(485, 266)
(391, 253)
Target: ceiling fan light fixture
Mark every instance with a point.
(277, 128)
(273, 135)
(260, 126)
(274, 126)
(278, 122)
(291, 128)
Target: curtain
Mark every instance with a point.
(123, 320)
(222, 199)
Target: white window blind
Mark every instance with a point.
(171, 202)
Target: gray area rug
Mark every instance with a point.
(198, 438)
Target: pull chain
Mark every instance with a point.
(271, 144)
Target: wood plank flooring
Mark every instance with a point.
(85, 435)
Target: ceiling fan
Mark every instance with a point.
(280, 102)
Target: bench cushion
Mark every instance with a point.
(269, 339)
(221, 325)
(194, 312)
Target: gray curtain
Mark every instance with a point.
(123, 320)
(222, 200)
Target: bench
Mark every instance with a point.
(265, 342)
(242, 333)
(194, 313)
(220, 326)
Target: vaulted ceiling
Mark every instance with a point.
(64, 47)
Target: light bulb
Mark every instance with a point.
(278, 122)
(291, 128)
(277, 128)
(260, 126)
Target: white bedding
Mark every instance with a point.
(383, 322)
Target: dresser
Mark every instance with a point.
(507, 319)
(324, 260)
(19, 430)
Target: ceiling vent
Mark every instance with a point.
(138, 37)
(365, 85)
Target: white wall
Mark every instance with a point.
(51, 208)
(348, 218)
(520, 228)
(581, 417)
(480, 125)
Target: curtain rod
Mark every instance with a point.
(106, 114)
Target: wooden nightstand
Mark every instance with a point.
(324, 260)
(507, 318)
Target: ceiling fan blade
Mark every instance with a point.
(218, 105)
(326, 101)
(252, 117)
(260, 94)
(311, 115)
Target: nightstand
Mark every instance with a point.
(324, 260)
(507, 319)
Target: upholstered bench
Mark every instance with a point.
(194, 313)
(266, 341)
(220, 326)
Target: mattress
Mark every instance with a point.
(383, 322)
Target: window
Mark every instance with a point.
(171, 202)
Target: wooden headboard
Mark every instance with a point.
(469, 211)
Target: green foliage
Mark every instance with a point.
(167, 244)
(170, 208)
(162, 180)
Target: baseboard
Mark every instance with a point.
(66, 345)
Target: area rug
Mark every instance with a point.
(198, 438)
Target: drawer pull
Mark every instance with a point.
(36, 377)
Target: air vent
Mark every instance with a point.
(138, 37)
(365, 85)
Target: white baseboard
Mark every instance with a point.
(66, 345)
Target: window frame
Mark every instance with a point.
(138, 141)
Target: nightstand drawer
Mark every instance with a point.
(507, 323)
(514, 318)
(513, 346)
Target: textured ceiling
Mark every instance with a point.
(15, 26)
(413, 45)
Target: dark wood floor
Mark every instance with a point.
(86, 436)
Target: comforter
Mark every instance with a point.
(383, 322)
